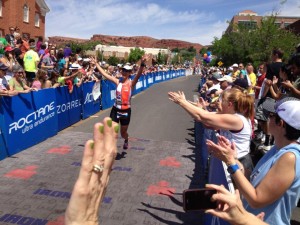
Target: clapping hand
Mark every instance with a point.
(177, 97)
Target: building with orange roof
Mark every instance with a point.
(251, 20)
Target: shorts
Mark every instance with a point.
(119, 115)
(260, 113)
(30, 76)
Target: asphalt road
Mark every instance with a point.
(146, 182)
(154, 116)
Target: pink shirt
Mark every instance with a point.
(36, 84)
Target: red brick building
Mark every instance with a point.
(28, 15)
(251, 19)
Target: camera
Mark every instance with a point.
(198, 199)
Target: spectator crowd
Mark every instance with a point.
(255, 114)
(30, 65)
(252, 110)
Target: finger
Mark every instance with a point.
(193, 103)
(219, 188)
(261, 216)
(217, 213)
(87, 163)
(98, 144)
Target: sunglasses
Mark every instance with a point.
(126, 71)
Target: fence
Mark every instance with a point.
(28, 119)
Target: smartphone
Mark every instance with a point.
(198, 199)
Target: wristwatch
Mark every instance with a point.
(232, 168)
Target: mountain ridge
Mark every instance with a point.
(130, 41)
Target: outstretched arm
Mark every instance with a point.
(140, 71)
(219, 121)
(102, 71)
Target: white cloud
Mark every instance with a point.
(83, 19)
(171, 19)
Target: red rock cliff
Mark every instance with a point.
(138, 41)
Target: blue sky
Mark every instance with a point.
(196, 21)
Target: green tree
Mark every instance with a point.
(254, 44)
(175, 59)
(113, 60)
(135, 55)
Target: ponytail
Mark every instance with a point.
(243, 103)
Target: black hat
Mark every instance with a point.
(241, 82)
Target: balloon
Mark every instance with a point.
(208, 59)
(205, 55)
(209, 53)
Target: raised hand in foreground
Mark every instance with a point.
(89, 189)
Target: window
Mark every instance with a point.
(1, 32)
(37, 20)
(0, 7)
(250, 24)
(26, 13)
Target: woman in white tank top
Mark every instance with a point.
(233, 119)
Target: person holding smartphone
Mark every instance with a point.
(230, 208)
(121, 110)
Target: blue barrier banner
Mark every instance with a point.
(158, 77)
(182, 72)
(90, 106)
(28, 119)
(3, 150)
(173, 74)
(150, 79)
(145, 86)
(164, 75)
(168, 75)
(69, 106)
(108, 94)
(138, 87)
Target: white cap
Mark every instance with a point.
(226, 78)
(75, 66)
(127, 67)
(289, 111)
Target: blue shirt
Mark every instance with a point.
(280, 211)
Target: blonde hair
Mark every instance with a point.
(243, 103)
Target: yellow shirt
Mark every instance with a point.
(252, 78)
(30, 59)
